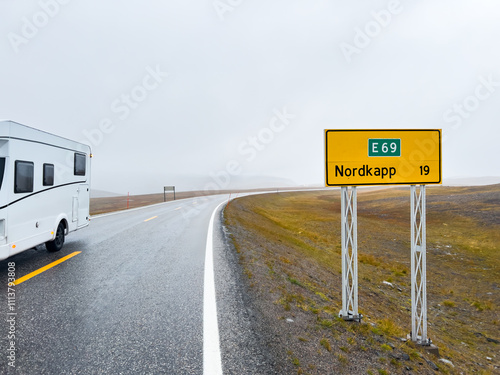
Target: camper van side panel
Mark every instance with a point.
(38, 190)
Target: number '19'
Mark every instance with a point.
(424, 170)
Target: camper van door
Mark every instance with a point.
(83, 205)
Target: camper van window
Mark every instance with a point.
(2, 169)
(23, 182)
(48, 174)
(80, 164)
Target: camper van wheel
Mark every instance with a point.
(58, 242)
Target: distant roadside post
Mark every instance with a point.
(384, 157)
(168, 189)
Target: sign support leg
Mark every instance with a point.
(418, 267)
(349, 254)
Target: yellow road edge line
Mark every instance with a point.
(151, 218)
(178, 208)
(43, 269)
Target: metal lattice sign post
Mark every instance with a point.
(349, 254)
(384, 157)
(418, 267)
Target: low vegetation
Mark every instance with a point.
(290, 244)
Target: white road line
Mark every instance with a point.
(212, 364)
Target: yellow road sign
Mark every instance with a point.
(383, 157)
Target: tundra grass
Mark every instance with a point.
(290, 243)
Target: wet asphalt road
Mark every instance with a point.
(132, 301)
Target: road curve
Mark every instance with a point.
(132, 301)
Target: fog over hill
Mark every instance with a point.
(219, 181)
(95, 193)
(471, 181)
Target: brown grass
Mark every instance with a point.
(295, 239)
(111, 204)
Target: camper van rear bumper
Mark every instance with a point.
(10, 249)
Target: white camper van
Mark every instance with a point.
(44, 188)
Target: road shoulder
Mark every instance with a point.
(245, 337)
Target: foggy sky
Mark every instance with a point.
(187, 93)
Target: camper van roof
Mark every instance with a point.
(19, 131)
